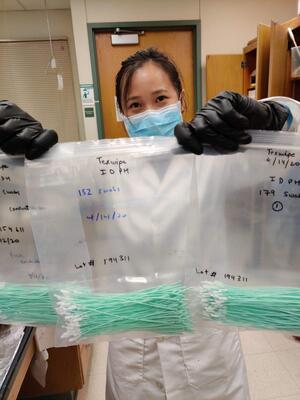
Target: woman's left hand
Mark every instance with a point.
(223, 121)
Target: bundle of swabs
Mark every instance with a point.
(31, 305)
(162, 309)
(270, 307)
(165, 309)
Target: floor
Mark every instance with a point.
(272, 359)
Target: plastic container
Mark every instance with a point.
(295, 62)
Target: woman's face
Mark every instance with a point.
(150, 88)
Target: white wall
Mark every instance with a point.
(227, 25)
(141, 10)
(33, 25)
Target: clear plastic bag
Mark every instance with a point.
(114, 219)
(112, 210)
(248, 214)
(18, 257)
(246, 254)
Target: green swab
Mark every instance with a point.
(31, 305)
(162, 309)
(276, 308)
(165, 309)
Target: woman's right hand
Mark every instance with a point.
(222, 122)
(22, 134)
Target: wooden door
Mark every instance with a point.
(177, 43)
(223, 72)
(262, 61)
(279, 85)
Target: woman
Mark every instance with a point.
(208, 366)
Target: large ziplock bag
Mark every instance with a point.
(113, 210)
(24, 296)
(248, 214)
(114, 220)
(246, 252)
(19, 261)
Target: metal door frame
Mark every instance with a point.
(94, 28)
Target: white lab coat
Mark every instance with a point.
(207, 366)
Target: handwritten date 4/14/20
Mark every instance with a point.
(106, 216)
(282, 162)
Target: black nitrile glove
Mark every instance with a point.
(22, 134)
(222, 122)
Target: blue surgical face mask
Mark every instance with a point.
(154, 122)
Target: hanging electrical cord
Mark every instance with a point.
(59, 76)
(52, 61)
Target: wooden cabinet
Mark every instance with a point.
(256, 57)
(249, 68)
(268, 55)
(223, 72)
(280, 81)
(234, 71)
(67, 370)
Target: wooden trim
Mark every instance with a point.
(96, 81)
(198, 75)
(250, 47)
(262, 60)
(292, 23)
(278, 60)
(23, 367)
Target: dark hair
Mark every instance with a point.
(136, 61)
